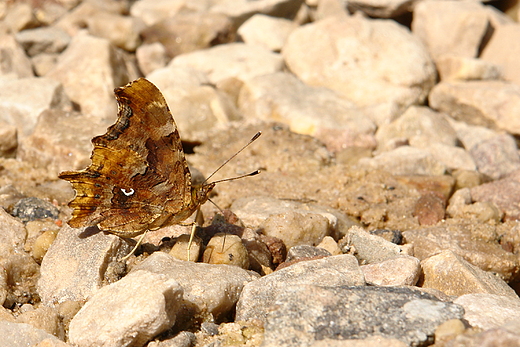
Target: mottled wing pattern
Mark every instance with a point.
(137, 167)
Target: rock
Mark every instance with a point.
(22, 101)
(253, 211)
(456, 68)
(369, 248)
(266, 31)
(226, 249)
(151, 57)
(178, 35)
(21, 334)
(151, 12)
(128, 312)
(8, 140)
(282, 97)
(196, 105)
(376, 64)
(405, 160)
(258, 297)
(492, 104)
(20, 16)
(210, 290)
(502, 336)
(44, 318)
(501, 49)
(489, 311)
(247, 61)
(496, 157)
(121, 31)
(502, 193)
(455, 158)
(403, 270)
(451, 274)
(450, 27)
(75, 264)
(417, 125)
(43, 40)
(295, 228)
(83, 69)
(15, 62)
(305, 252)
(380, 8)
(13, 236)
(304, 313)
(43, 63)
(430, 208)
(472, 240)
(30, 209)
(330, 245)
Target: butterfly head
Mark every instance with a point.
(200, 193)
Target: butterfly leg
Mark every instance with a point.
(193, 229)
(135, 247)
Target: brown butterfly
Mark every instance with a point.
(139, 179)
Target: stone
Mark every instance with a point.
(496, 157)
(258, 297)
(83, 69)
(451, 274)
(330, 245)
(430, 208)
(304, 313)
(129, 312)
(22, 101)
(75, 264)
(178, 35)
(8, 140)
(305, 252)
(501, 49)
(151, 57)
(43, 40)
(456, 68)
(502, 193)
(22, 334)
(20, 16)
(489, 311)
(44, 62)
(455, 158)
(44, 318)
(226, 249)
(402, 270)
(493, 104)
(377, 64)
(295, 228)
(121, 31)
(30, 209)
(472, 240)
(14, 62)
(450, 27)
(282, 97)
(380, 8)
(210, 290)
(266, 31)
(369, 248)
(405, 160)
(152, 11)
(418, 124)
(247, 61)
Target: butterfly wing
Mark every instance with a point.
(137, 167)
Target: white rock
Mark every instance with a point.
(266, 31)
(127, 313)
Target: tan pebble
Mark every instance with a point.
(329, 244)
(449, 329)
(180, 248)
(42, 244)
(226, 249)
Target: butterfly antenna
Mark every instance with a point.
(253, 139)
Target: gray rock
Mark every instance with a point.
(23, 335)
(121, 31)
(43, 40)
(30, 209)
(302, 314)
(489, 311)
(369, 248)
(247, 61)
(496, 157)
(127, 313)
(258, 297)
(73, 268)
(210, 290)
